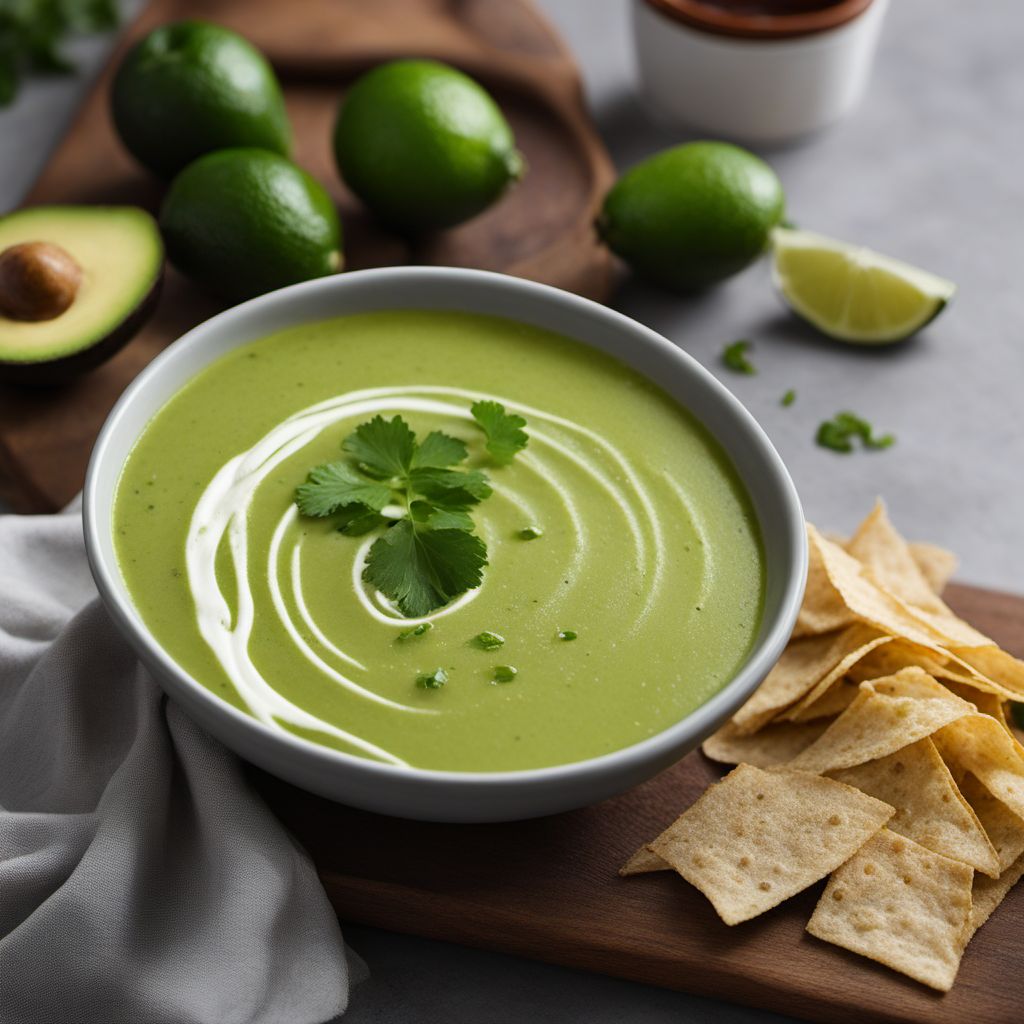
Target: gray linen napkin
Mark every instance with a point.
(141, 879)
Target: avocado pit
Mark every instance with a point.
(38, 281)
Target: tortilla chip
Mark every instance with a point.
(982, 746)
(937, 565)
(642, 862)
(804, 663)
(822, 609)
(853, 644)
(996, 665)
(757, 837)
(987, 703)
(929, 807)
(936, 661)
(901, 905)
(888, 559)
(836, 699)
(887, 715)
(1005, 829)
(865, 599)
(988, 893)
(774, 744)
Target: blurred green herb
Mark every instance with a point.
(735, 357)
(839, 433)
(788, 398)
(31, 33)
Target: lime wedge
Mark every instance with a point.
(851, 293)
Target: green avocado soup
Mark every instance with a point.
(649, 551)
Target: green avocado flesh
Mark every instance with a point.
(649, 550)
(120, 254)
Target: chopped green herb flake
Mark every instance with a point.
(505, 673)
(566, 634)
(530, 533)
(489, 641)
(423, 627)
(788, 398)
(504, 430)
(839, 433)
(434, 681)
(735, 357)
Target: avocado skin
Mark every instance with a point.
(49, 373)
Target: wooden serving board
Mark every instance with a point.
(548, 889)
(541, 230)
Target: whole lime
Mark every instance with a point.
(191, 87)
(423, 145)
(692, 215)
(241, 222)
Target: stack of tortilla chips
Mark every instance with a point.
(878, 751)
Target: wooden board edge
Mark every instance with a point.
(402, 909)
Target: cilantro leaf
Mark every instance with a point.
(439, 450)
(788, 398)
(336, 485)
(383, 447)
(440, 518)
(735, 357)
(505, 434)
(453, 488)
(421, 569)
(839, 433)
(356, 520)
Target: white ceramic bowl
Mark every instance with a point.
(761, 90)
(444, 795)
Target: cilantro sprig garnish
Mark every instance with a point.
(505, 434)
(427, 553)
(839, 433)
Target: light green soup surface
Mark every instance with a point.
(649, 553)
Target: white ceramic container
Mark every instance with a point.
(444, 795)
(760, 89)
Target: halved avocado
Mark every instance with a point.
(76, 283)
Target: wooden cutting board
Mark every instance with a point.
(547, 889)
(542, 230)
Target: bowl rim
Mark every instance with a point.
(659, 746)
